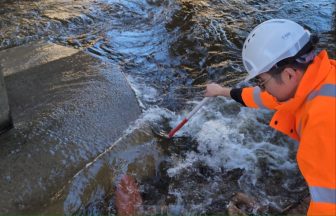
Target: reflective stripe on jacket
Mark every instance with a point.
(309, 117)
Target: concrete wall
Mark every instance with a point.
(68, 107)
(5, 118)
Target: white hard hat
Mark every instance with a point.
(271, 42)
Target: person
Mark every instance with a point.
(299, 85)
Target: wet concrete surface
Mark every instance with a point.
(67, 108)
(92, 190)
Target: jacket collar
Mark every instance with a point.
(314, 75)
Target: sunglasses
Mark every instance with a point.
(261, 83)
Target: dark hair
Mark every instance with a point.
(276, 72)
(298, 62)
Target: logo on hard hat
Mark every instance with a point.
(286, 36)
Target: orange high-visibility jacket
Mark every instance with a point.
(310, 118)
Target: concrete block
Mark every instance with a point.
(5, 117)
(67, 107)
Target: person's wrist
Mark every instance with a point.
(226, 92)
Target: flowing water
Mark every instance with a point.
(168, 51)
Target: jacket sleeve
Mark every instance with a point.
(236, 94)
(255, 98)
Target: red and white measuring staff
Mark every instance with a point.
(185, 120)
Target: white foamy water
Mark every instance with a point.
(143, 92)
(222, 141)
(231, 137)
(230, 140)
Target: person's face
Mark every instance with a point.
(282, 90)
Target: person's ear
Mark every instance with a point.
(289, 74)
